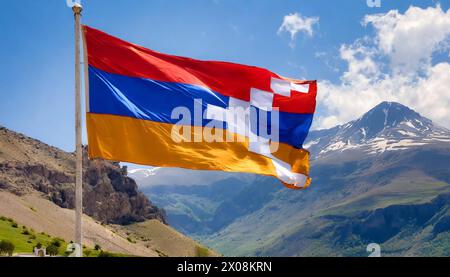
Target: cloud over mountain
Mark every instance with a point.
(394, 65)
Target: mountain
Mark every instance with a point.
(37, 191)
(108, 194)
(387, 127)
(206, 208)
(382, 178)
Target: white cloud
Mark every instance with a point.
(409, 39)
(408, 76)
(295, 23)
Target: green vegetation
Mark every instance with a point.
(201, 251)
(52, 250)
(6, 247)
(399, 192)
(105, 254)
(23, 240)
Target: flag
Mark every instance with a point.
(151, 108)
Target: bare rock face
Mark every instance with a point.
(109, 195)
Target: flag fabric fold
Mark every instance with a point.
(155, 109)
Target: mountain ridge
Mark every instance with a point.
(389, 126)
(369, 174)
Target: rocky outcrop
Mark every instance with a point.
(383, 224)
(109, 195)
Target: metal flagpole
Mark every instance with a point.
(77, 8)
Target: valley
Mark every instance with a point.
(383, 178)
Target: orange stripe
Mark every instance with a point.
(147, 142)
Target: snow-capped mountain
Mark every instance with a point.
(389, 126)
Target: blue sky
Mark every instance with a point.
(36, 52)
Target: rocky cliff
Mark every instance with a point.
(109, 195)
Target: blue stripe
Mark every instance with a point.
(154, 100)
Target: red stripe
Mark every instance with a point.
(117, 56)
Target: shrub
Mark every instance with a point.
(56, 242)
(2, 218)
(14, 225)
(104, 254)
(52, 250)
(201, 251)
(7, 247)
(32, 236)
(87, 253)
(97, 247)
(38, 245)
(26, 232)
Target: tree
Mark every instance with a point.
(56, 242)
(7, 247)
(52, 250)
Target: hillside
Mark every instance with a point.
(37, 191)
(384, 169)
(108, 194)
(167, 240)
(42, 215)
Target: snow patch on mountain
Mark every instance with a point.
(389, 126)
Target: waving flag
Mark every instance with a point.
(156, 109)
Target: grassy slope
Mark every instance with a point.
(150, 238)
(23, 243)
(409, 242)
(197, 208)
(400, 191)
(247, 237)
(25, 239)
(167, 240)
(33, 211)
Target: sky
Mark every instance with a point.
(360, 54)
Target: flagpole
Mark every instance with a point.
(77, 8)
